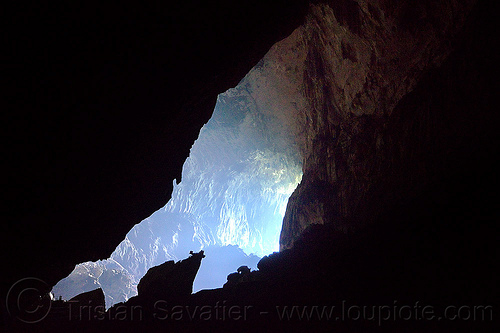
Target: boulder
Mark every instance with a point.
(170, 280)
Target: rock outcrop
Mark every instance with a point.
(85, 306)
(338, 79)
(392, 107)
(241, 275)
(94, 297)
(117, 284)
(170, 281)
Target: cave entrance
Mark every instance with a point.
(231, 201)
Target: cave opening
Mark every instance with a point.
(231, 202)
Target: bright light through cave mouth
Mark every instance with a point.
(235, 186)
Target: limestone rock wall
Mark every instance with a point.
(344, 71)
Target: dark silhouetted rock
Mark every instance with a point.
(241, 275)
(94, 297)
(263, 263)
(243, 270)
(87, 306)
(170, 280)
(398, 144)
(232, 280)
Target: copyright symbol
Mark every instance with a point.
(28, 300)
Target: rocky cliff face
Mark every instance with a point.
(336, 94)
(345, 71)
(423, 139)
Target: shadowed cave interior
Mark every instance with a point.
(382, 111)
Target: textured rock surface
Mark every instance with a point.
(115, 281)
(357, 60)
(434, 240)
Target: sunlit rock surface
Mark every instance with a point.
(116, 283)
(231, 200)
